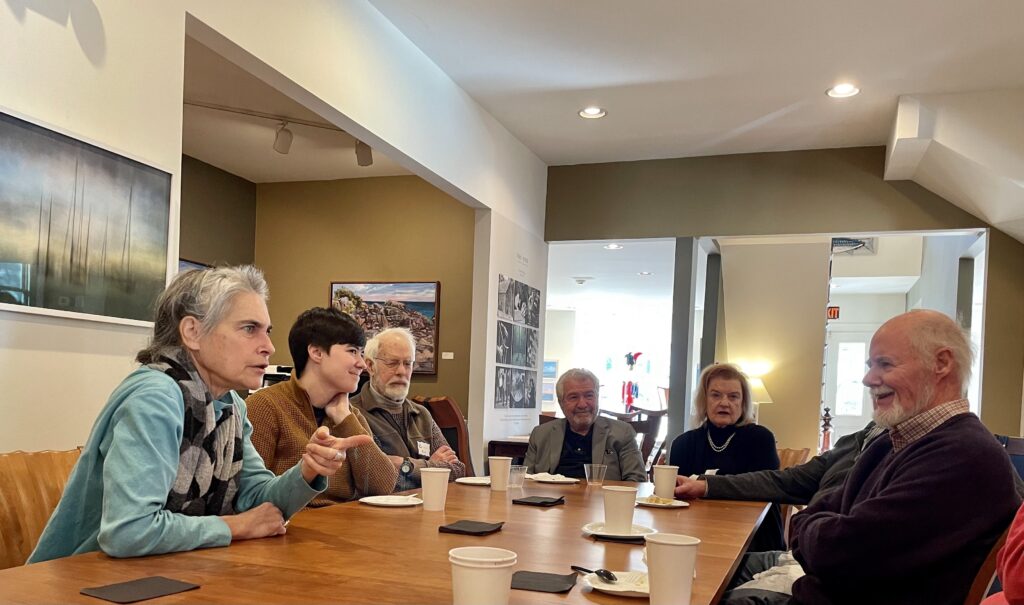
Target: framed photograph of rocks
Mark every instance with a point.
(381, 305)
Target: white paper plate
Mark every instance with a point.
(597, 529)
(673, 504)
(629, 584)
(392, 501)
(547, 478)
(474, 480)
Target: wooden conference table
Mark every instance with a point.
(354, 553)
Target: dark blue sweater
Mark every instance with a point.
(911, 527)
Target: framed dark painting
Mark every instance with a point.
(381, 305)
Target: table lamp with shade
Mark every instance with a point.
(758, 395)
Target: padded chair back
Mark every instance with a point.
(987, 573)
(545, 418)
(31, 484)
(1015, 448)
(452, 423)
(792, 457)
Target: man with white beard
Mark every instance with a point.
(923, 505)
(403, 429)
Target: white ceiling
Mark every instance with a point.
(611, 275)
(242, 144)
(686, 78)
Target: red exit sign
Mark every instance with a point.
(832, 313)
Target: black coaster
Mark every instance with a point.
(623, 539)
(540, 500)
(138, 590)
(472, 528)
(543, 582)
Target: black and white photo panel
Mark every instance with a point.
(503, 388)
(504, 346)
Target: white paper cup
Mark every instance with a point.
(516, 475)
(481, 575)
(595, 473)
(665, 480)
(618, 508)
(435, 487)
(500, 467)
(670, 563)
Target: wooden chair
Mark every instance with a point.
(790, 457)
(983, 580)
(31, 484)
(452, 423)
(623, 416)
(648, 429)
(545, 418)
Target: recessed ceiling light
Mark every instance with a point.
(842, 90)
(645, 273)
(613, 247)
(593, 112)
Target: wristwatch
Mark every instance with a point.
(406, 468)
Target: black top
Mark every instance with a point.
(577, 450)
(746, 448)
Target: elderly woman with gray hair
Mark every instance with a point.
(169, 465)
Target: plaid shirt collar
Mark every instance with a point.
(912, 429)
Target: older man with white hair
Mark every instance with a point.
(403, 429)
(582, 437)
(924, 503)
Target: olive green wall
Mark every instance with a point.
(309, 234)
(218, 215)
(798, 192)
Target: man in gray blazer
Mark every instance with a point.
(582, 437)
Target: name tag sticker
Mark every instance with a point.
(424, 449)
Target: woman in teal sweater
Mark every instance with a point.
(169, 465)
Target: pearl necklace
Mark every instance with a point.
(719, 448)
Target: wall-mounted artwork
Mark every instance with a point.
(188, 265)
(381, 305)
(82, 229)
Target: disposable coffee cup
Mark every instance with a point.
(435, 487)
(619, 502)
(500, 467)
(481, 575)
(665, 480)
(671, 559)
(595, 473)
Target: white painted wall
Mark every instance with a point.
(560, 341)
(111, 72)
(940, 262)
(500, 247)
(896, 255)
(775, 298)
(867, 311)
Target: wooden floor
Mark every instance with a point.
(354, 553)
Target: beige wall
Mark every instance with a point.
(798, 192)
(770, 291)
(376, 229)
(218, 215)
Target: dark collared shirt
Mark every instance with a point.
(577, 450)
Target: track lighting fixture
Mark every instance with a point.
(364, 154)
(283, 140)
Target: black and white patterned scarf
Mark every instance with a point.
(210, 456)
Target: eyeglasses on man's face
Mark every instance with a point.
(393, 364)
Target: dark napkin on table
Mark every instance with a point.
(543, 582)
(472, 528)
(540, 500)
(622, 539)
(138, 590)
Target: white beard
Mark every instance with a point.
(897, 413)
(396, 391)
